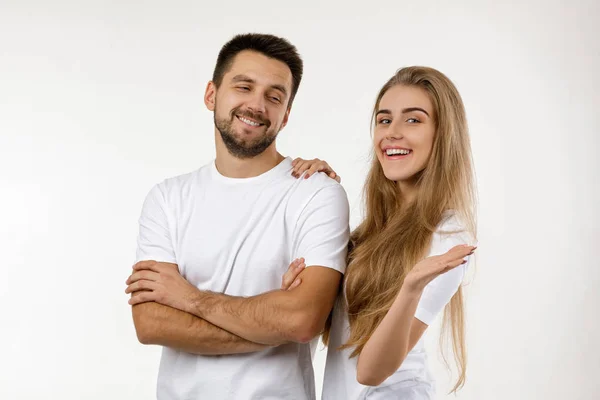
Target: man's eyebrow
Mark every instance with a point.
(242, 78)
(281, 88)
(245, 78)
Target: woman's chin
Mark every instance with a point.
(395, 176)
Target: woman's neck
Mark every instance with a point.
(408, 191)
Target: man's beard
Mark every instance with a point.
(238, 147)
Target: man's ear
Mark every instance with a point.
(209, 95)
(285, 117)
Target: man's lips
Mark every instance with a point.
(251, 120)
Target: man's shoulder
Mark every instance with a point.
(319, 182)
(319, 191)
(177, 183)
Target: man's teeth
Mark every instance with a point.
(247, 121)
(392, 152)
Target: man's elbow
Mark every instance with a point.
(306, 328)
(144, 329)
(144, 336)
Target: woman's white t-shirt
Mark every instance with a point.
(412, 381)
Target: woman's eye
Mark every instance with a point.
(413, 120)
(384, 121)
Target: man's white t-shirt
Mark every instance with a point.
(238, 237)
(412, 381)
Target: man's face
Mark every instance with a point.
(251, 105)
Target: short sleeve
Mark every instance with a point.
(322, 231)
(154, 238)
(440, 290)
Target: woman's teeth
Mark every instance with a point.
(393, 152)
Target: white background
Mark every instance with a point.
(101, 100)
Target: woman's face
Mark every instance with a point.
(404, 132)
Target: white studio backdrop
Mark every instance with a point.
(100, 100)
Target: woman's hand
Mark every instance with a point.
(431, 267)
(290, 279)
(313, 166)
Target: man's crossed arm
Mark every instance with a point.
(169, 311)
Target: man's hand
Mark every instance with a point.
(161, 283)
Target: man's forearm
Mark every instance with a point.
(166, 326)
(271, 318)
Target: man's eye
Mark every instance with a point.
(244, 88)
(276, 99)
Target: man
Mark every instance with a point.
(214, 244)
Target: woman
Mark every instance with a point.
(408, 257)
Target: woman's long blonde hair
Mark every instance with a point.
(394, 236)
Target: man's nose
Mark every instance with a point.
(257, 103)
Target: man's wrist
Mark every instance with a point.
(202, 303)
(195, 304)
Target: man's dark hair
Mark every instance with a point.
(268, 45)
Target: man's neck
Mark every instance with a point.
(233, 167)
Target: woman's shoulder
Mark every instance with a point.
(454, 229)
